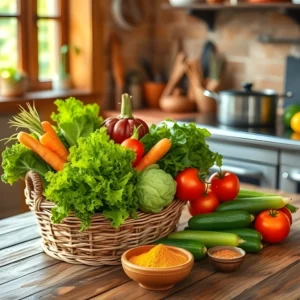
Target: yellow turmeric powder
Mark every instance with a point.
(159, 256)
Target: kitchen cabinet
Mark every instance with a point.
(12, 197)
(253, 165)
(259, 159)
(289, 172)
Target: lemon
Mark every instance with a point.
(289, 111)
(295, 122)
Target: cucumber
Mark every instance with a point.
(245, 233)
(221, 220)
(254, 205)
(208, 238)
(251, 245)
(246, 193)
(197, 248)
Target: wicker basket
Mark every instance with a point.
(100, 244)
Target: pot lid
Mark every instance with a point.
(247, 91)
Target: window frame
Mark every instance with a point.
(27, 39)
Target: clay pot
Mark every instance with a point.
(10, 88)
(153, 92)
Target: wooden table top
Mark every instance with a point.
(28, 273)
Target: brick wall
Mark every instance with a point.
(235, 35)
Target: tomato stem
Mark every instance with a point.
(221, 174)
(126, 109)
(273, 213)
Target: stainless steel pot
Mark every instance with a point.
(246, 107)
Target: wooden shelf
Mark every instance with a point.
(207, 12)
(240, 6)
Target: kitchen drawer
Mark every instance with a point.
(290, 158)
(289, 178)
(245, 153)
(289, 172)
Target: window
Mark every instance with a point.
(31, 34)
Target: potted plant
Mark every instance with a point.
(62, 80)
(13, 82)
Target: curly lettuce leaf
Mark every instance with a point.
(75, 119)
(18, 160)
(99, 177)
(189, 148)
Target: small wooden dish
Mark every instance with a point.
(156, 278)
(226, 264)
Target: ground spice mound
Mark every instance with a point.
(159, 256)
(226, 253)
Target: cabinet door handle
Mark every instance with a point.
(293, 175)
(250, 173)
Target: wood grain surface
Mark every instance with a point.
(26, 272)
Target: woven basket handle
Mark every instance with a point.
(34, 187)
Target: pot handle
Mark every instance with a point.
(211, 94)
(286, 95)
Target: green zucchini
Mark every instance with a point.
(208, 238)
(251, 245)
(221, 220)
(246, 193)
(197, 248)
(254, 205)
(245, 233)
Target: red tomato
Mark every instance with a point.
(288, 213)
(204, 204)
(225, 186)
(273, 225)
(189, 185)
(137, 147)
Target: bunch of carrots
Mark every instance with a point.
(49, 146)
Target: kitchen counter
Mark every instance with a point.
(272, 138)
(275, 138)
(27, 272)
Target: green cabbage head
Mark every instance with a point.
(155, 189)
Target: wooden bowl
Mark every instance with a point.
(156, 278)
(226, 264)
(177, 104)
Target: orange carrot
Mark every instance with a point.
(154, 154)
(50, 157)
(51, 140)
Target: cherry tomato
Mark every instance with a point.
(225, 186)
(273, 225)
(288, 213)
(189, 185)
(204, 204)
(137, 147)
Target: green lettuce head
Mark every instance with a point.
(155, 189)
